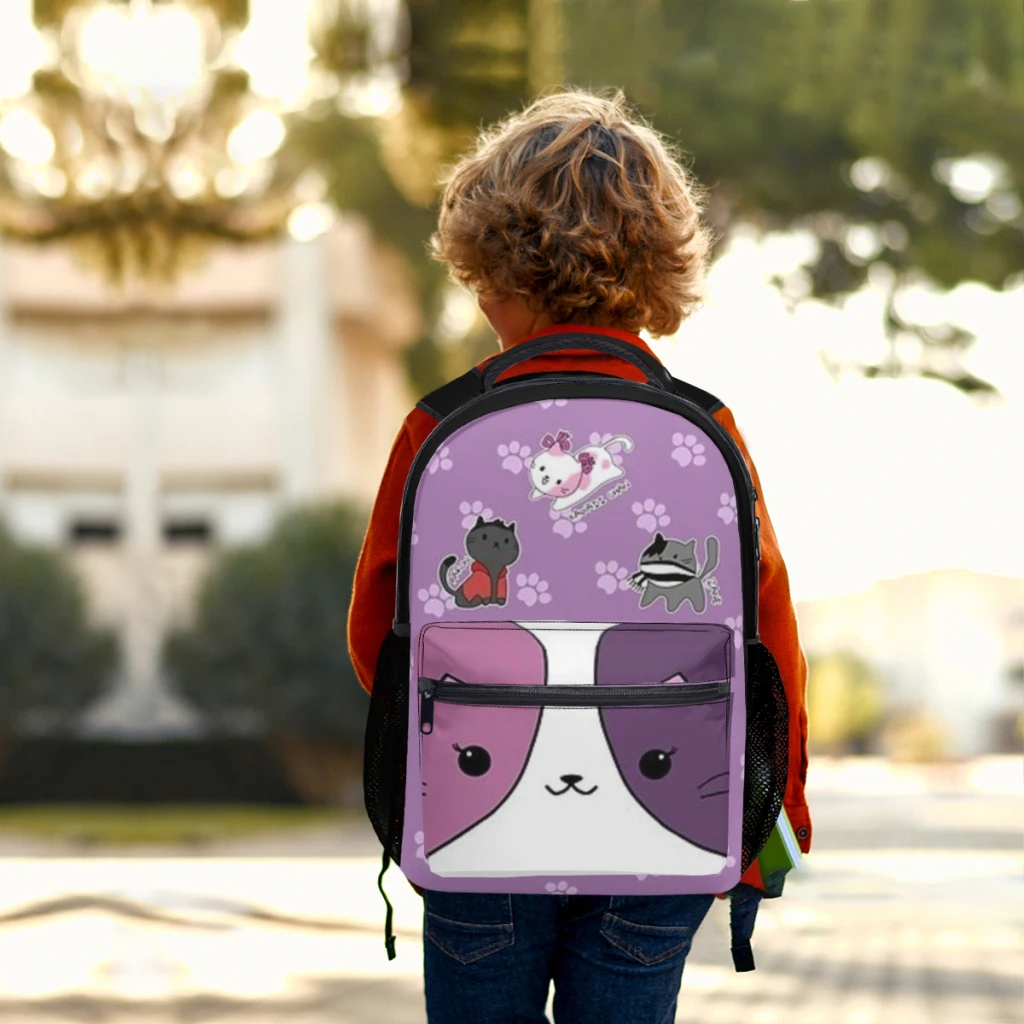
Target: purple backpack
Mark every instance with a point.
(573, 697)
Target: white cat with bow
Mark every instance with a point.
(569, 477)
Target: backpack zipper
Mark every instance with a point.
(590, 696)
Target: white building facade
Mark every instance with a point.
(142, 431)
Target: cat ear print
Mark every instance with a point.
(657, 546)
(480, 521)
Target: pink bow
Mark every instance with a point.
(563, 440)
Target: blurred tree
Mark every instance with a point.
(267, 647)
(844, 704)
(893, 130)
(52, 663)
(464, 64)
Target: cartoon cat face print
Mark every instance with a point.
(575, 806)
(568, 477)
(673, 759)
(474, 755)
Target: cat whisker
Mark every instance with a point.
(711, 778)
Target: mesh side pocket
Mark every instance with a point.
(384, 752)
(767, 753)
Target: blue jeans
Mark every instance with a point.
(490, 958)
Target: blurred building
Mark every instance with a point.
(142, 431)
(949, 643)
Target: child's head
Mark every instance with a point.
(580, 211)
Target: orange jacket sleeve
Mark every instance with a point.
(778, 629)
(372, 609)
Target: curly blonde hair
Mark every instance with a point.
(577, 204)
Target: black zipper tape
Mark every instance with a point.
(554, 386)
(589, 696)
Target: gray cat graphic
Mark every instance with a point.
(493, 546)
(668, 569)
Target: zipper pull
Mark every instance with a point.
(426, 687)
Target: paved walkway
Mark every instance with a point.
(908, 912)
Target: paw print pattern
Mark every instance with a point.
(418, 840)
(650, 515)
(441, 460)
(513, 456)
(470, 511)
(687, 450)
(727, 513)
(615, 450)
(561, 888)
(532, 589)
(611, 576)
(564, 527)
(558, 403)
(736, 625)
(435, 600)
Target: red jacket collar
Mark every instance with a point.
(611, 332)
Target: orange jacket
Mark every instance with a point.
(373, 596)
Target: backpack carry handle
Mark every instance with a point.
(655, 373)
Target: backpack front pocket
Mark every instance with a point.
(575, 749)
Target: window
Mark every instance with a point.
(188, 531)
(94, 530)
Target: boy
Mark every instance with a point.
(572, 215)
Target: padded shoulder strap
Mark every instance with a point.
(704, 399)
(449, 397)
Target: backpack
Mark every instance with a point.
(573, 697)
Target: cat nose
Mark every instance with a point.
(544, 480)
(571, 780)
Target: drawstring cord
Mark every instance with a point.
(389, 934)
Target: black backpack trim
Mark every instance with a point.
(446, 399)
(707, 401)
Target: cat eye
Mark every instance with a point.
(483, 536)
(473, 761)
(656, 764)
